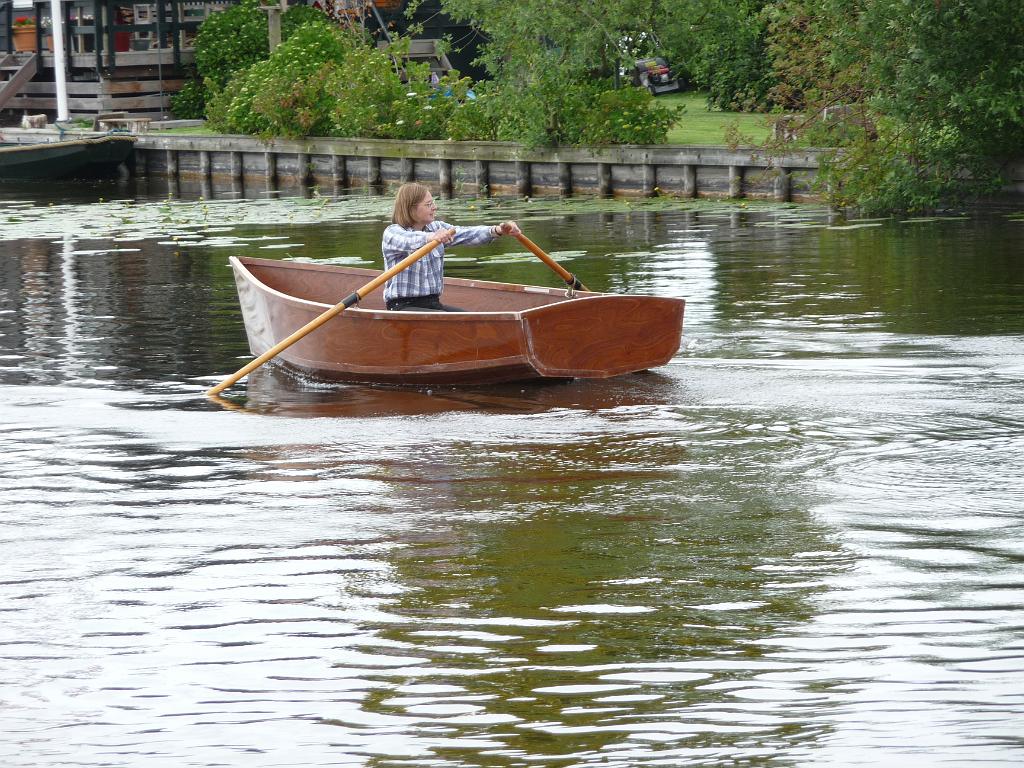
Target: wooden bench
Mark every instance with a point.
(120, 121)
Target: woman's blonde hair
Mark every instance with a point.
(409, 196)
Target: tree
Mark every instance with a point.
(936, 89)
(591, 38)
(722, 46)
(553, 64)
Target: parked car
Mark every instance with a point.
(655, 75)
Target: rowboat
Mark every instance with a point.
(508, 332)
(79, 158)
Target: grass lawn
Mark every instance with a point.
(698, 125)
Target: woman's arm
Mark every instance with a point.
(483, 234)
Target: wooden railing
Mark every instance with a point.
(167, 25)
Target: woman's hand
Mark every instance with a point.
(507, 228)
(444, 235)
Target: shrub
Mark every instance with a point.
(326, 81)
(190, 102)
(423, 111)
(563, 112)
(626, 116)
(288, 94)
(471, 118)
(365, 101)
(230, 41)
(298, 16)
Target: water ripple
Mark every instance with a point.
(797, 543)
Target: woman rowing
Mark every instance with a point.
(414, 224)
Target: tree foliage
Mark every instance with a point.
(932, 94)
(327, 81)
(920, 99)
(231, 41)
(554, 63)
(721, 46)
(323, 80)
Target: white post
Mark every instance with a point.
(274, 21)
(59, 60)
(273, 26)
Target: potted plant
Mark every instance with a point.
(24, 33)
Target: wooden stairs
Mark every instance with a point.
(137, 88)
(420, 49)
(16, 70)
(428, 50)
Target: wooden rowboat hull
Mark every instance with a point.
(508, 333)
(81, 158)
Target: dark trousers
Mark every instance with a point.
(429, 303)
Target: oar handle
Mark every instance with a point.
(570, 279)
(316, 322)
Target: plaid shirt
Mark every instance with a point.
(426, 276)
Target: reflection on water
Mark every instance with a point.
(799, 543)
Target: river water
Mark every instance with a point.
(800, 543)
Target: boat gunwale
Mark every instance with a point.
(531, 363)
(13, 147)
(239, 262)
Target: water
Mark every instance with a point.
(799, 543)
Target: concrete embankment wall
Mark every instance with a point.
(480, 168)
(466, 168)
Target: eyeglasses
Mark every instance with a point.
(429, 204)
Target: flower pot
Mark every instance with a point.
(24, 38)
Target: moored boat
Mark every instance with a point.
(508, 332)
(78, 158)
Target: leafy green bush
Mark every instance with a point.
(366, 98)
(326, 81)
(230, 41)
(556, 111)
(545, 110)
(626, 116)
(731, 60)
(298, 16)
(423, 111)
(472, 119)
(190, 102)
(288, 94)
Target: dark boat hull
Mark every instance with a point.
(509, 333)
(81, 158)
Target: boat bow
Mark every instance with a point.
(601, 336)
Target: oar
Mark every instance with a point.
(570, 279)
(337, 309)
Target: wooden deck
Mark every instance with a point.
(132, 61)
(130, 56)
(141, 84)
